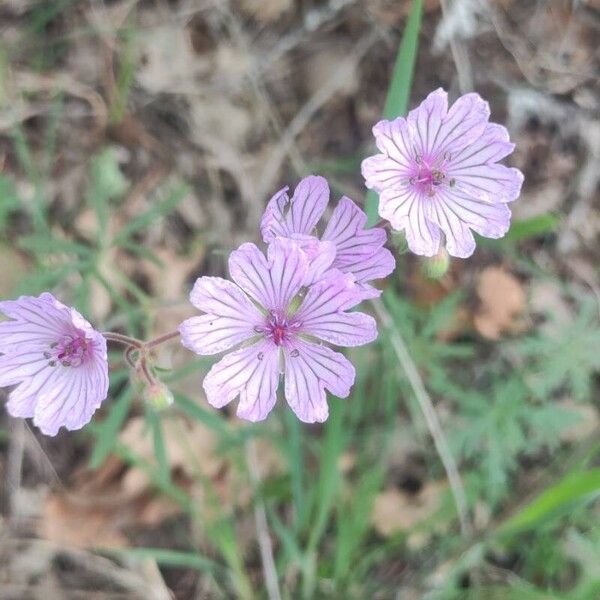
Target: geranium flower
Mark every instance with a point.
(346, 245)
(57, 361)
(278, 327)
(438, 172)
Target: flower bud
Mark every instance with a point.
(158, 395)
(435, 267)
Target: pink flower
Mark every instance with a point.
(438, 173)
(57, 361)
(345, 244)
(278, 326)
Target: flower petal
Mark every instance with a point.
(377, 266)
(21, 364)
(310, 369)
(230, 319)
(347, 230)
(487, 219)
(273, 282)
(284, 217)
(36, 320)
(252, 373)
(422, 234)
(70, 398)
(491, 183)
(491, 146)
(322, 315)
(395, 204)
(426, 121)
(381, 171)
(393, 138)
(464, 124)
(320, 256)
(459, 239)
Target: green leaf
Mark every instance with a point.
(575, 488)
(396, 102)
(157, 210)
(567, 356)
(530, 228)
(169, 558)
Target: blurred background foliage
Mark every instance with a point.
(139, 143)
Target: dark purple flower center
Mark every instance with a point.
(280, 328)
(429, 174)
(69, 351)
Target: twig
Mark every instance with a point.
(262, 528)
(433, 423)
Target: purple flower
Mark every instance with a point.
(278, 326)
(345, 244)
(57, 361)
(438, 172)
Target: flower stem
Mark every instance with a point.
(123, 339)
(161, 339)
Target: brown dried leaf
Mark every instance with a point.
(68, 519)
(502, 303)
(395, 510)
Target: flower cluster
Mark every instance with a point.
(278, 317)
(281, 308)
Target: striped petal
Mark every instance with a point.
(299, 215)
(322, 313)
(231, 317)
(271, 282)
(252, 373)
(310, 369)
(422, 234)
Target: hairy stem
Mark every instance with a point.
(431, 418)
(161, 339)
(111, 336)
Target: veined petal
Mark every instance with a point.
(426, 121)
(274, 282)
(71, 398)
(459, 239)
(377, 266)
(491, 183)
(322, 313)
(38, 320)
(422, 234)
(273, 223)
(347, 230)
(393, 138)
(20, 364)
(284, 217)
(465, 122)
(252, 373)
(381, 171)
(487, 219)
(310, 369)
(321, 258)
(493, 145)
(231, 317)
(396, 204)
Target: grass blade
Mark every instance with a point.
(573, 489)
(398, 93)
